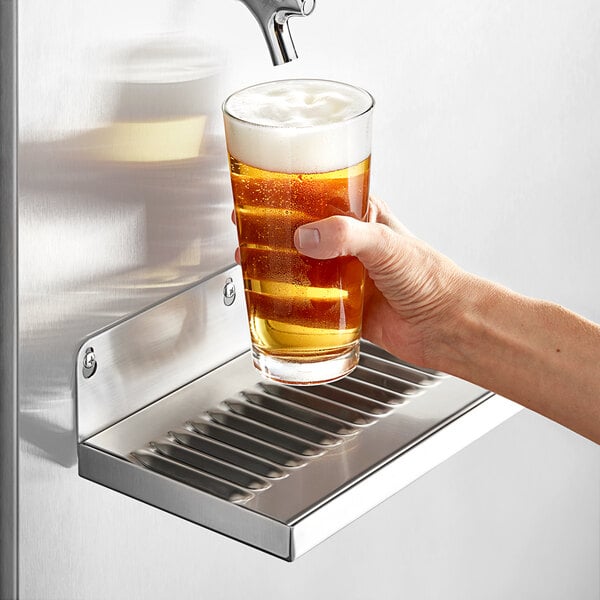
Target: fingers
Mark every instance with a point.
(372, 243)
(380, 213)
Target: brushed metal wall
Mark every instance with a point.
(123, 201)
(487, 114)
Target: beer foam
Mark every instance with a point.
(299, 125)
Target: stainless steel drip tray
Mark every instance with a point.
(277, 467)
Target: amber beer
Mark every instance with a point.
(299, 151)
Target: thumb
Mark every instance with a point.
(415, 280)
(371, 243)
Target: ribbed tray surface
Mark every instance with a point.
(265, 433)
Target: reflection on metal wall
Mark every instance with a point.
(116, 216)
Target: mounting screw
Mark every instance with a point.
(89, 363)
(229, 292)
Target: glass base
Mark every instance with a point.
(307, 371)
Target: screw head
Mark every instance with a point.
(229, 292)
(89, 365)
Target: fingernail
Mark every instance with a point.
(307, 238)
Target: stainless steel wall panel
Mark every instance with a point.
(123, 201)
(485, 144)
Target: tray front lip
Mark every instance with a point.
(289, 541)
(428, 453)
(221, 516)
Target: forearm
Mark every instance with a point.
(420, 306)
(533, 352)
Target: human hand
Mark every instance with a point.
(423, 308)
(412, 291)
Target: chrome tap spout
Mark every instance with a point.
(272, 16)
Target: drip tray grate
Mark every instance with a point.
(266, 432)
(174, 416)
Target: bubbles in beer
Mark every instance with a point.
(296, 304)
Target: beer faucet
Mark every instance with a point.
(272, 16)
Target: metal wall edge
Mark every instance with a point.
(8, 303)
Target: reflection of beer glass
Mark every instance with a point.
(299, 151)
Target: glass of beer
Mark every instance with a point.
(299, 151)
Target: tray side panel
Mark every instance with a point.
(159, 350)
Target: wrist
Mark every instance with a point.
(457, 333)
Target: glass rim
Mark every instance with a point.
(368, 95)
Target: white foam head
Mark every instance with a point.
(299, 125)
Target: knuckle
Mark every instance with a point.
(338, 236)
(343, 233)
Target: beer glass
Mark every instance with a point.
(299, 151)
